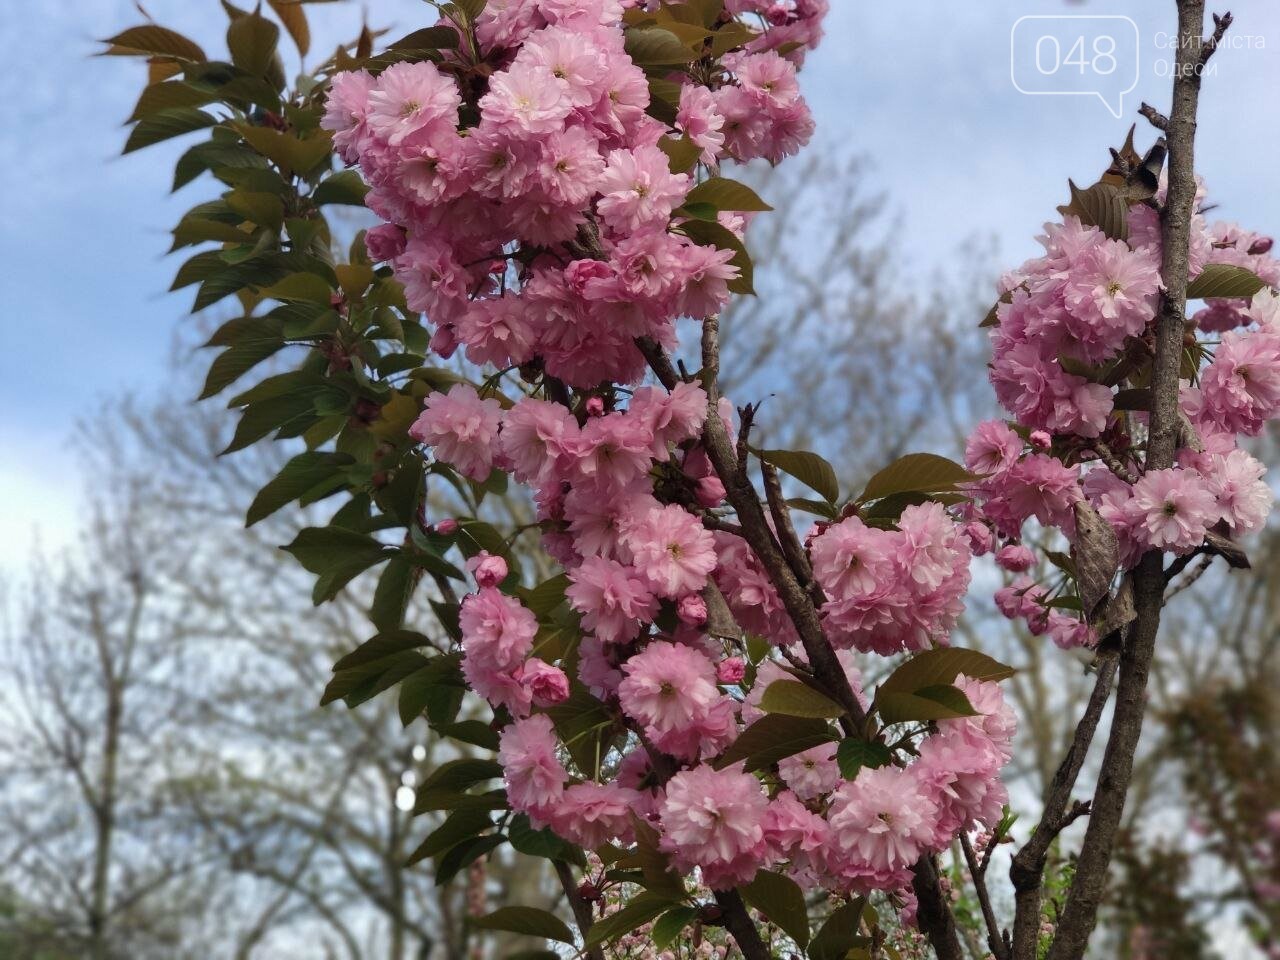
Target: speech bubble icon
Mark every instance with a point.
(1078, 55)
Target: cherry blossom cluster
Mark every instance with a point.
(1073, 339)
(534, 217)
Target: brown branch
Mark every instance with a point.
(1154, 116)
(786, 531)
(581, 909)
(997, 941)
(1027, 869)
(1113, 462)
(934, 912)
(1221, 24)
(740, 925)
(1080, 913)
(1189, 580)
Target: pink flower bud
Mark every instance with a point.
(547, 685)
(595, 407)
(384, 242)
(710, 492)
(1041, 440)
(692, 610)
(444, 341)
(731, 670)
(1260, 246)
(488, 570)
(1015, 558)
(980, 538)
(446, 528)
(583, 273)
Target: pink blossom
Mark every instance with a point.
(880, 824)
(411, 102)
(698, 120)
(1244, 498)
(668, 687)
(731, 671)
(534, 776)
(525, 99)
(461, 428)
(671, 550)
(1171, 510)
(489, 570)
(1016, 558)
(850, 558)
(639, 190)
(692, 609)
(992, 448)
(547, 685)
(612, 599)
(712, 820)
(591, 814)
(538, 438)
(811, 773)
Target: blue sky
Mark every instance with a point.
(960, 151)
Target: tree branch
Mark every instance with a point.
(581, 909)
(1080, 913)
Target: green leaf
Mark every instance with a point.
(1102, 205)
(419, 688)
(252, 40)
(809, 468)
(542, 843)
(775, 737)
(306, 287)
(1224, 280)
(343, 187)
(839, 934)
(526, 920)
(817, 507)
(290, 153)
(356, 685)
(459, 826)
(930, 668)
(461, 773)
(320, 549)
(725, 194)
(474, 732)
(153, 40)
(165, 125)
(300, 475)
(706, 233)
(639, 911)
(668, 926)
(381, 646)
(214, 155)
(395, 586)
(463, 855)
(781, 899)
(916, 473)
(171, 95)
(294, 18)
(428, 38)
(921, 688)
(546, 596)
(796, 699)
(654, 46)
(853, 754)
(681, 154)
(941, 702)
(241, 357)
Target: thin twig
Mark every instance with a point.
(1186, 582)
(581, 909)
(1107, 456)
(1154, 117)
(997, 941)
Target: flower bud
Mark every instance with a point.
(731, 670)
(547, 685)
(1041, 440)
(488, 570)
(1015, 558)
(445, 528)
(692, 610)
(1260, 246)
(595, 407)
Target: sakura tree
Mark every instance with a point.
(680, 720)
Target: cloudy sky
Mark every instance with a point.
(929, 97)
